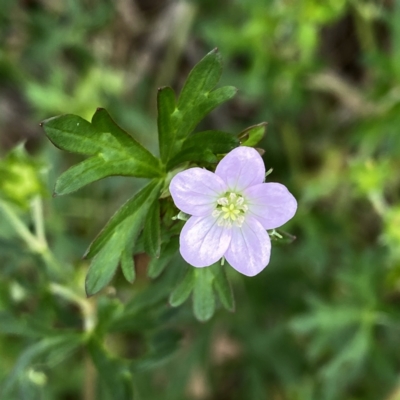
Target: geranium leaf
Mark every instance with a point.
(197, 98)
(134, 209)
(202, 79)
(252, 136)
(166, 131)
(128, 264)
(182, 292)
(190, 119)
(151, 233)
(203, 294)
(223, 287)
(114, 243)
(203, 146)
(168, 250)
(103, 266)
(112, 150)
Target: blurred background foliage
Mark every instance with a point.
(322, 322)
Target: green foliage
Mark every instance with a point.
(182, 292)
(115, 377)
(320, 323)
(151, 233)
(113, 151)
(116, 238)
(203, 295)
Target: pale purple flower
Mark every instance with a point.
(231, 211)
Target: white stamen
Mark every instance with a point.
(216, 213)
(230, 210)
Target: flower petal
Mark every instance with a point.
(250, 248)
(196, 190)
(241, 168)
(203, 242)
(271, 204)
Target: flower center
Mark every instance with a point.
(230, 209)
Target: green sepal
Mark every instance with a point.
(252, 135)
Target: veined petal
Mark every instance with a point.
(271, 204)
(241, 168)
(203, 242)
(250, 248)
(196, 190)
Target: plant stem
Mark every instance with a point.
(38, 219)
(20, 228)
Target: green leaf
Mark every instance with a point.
(128, 265)
(134, 208)
(182, 292)
(168, 250)
(103, 266)
(252, 135)
(203, 146)
(112, 150)
(115, 241)
(50, 351)
(223, 287)
(202, 79)
(187, 121)
(162, 346)
(203, 295)
(176, 121)
(166, 130)
(115, 377)
(151, 233)
(88, 171)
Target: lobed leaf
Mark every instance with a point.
(112, 150)
(203, 147)
(177, 120)
(202, 79)
(115, 241)
(187, 121)
(137, 207)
